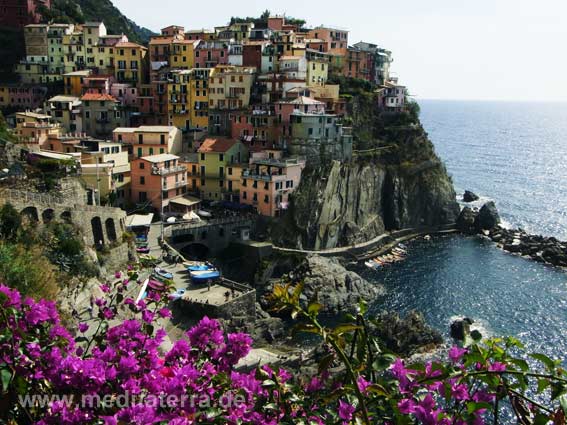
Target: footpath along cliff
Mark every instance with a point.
(395, 180)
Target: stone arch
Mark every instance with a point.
(47, 216)
(196, 251)
(30, 213)
(98, 234)
(66, 216)
(188, 237)
(110, 229)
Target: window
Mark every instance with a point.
(162, 139)
(230, 171)
(221, 183)
(140, 139)
(202, 157)
(221, 157)
(244, 195)
(266, 199)
(310, 131)
(142, 165)
(151, 151)
(244, 183)
(142, 180)
(255, 197)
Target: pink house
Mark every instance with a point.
(209, 54)
(157, 179)
(125, 93)
(285, 108)
(269, 180)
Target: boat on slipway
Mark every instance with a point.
(396, 254)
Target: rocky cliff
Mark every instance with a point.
(394, 181)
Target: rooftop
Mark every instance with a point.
(98, 97)
(63, 98)
(160, 158)
(303, 100)
(34, 115)
(129, 44)
(219, 144)
(83, 73)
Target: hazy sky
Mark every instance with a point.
(443, 49)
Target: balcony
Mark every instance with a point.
(263, 177)
(168, 171)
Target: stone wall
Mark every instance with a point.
(242, 306)
(98, 224)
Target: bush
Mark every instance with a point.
(197, 375)
(10, 222)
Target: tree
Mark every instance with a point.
(10, 222)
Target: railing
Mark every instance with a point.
(170, 170)
(179, 228)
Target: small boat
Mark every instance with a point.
(143, 249)
(141, 238)
(162, 273)
(156, 284)
(372, 265)
(427, 237)
(177, 295)
(202, 276)
(204, 213)
(198, 267)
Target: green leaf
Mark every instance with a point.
(542, 385)
(474, 406)
(549, 364)
(541, 419)
(522, 364)
(313, 308)
(563, 403)
(341, 329)
(6, 377)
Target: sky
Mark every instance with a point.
(443, 49)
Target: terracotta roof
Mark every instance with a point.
(218, 144)
(128, 44)
(167, 40)
(98, 96)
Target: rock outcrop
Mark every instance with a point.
(488, 217)
(539, 248)
(328, 282)
(469, 196)
(466, 221)
(486, 222)
(405, 336)
(344, 204)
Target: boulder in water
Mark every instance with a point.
(470, 196)
(460, 328)
(466, 221)
(487, 218)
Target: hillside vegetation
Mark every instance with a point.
(80, 11)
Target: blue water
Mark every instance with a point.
(514, 154)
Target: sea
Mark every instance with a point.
(516, 155)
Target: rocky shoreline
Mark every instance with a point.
(486, 222)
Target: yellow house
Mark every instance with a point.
(108, 160)
(75, 52)
(73, 82)
(230, 86)
(199, 88)
(179, 99)
(188, 98)
(220, 167)
(317, 72)
(182, 54)
(130, 63)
